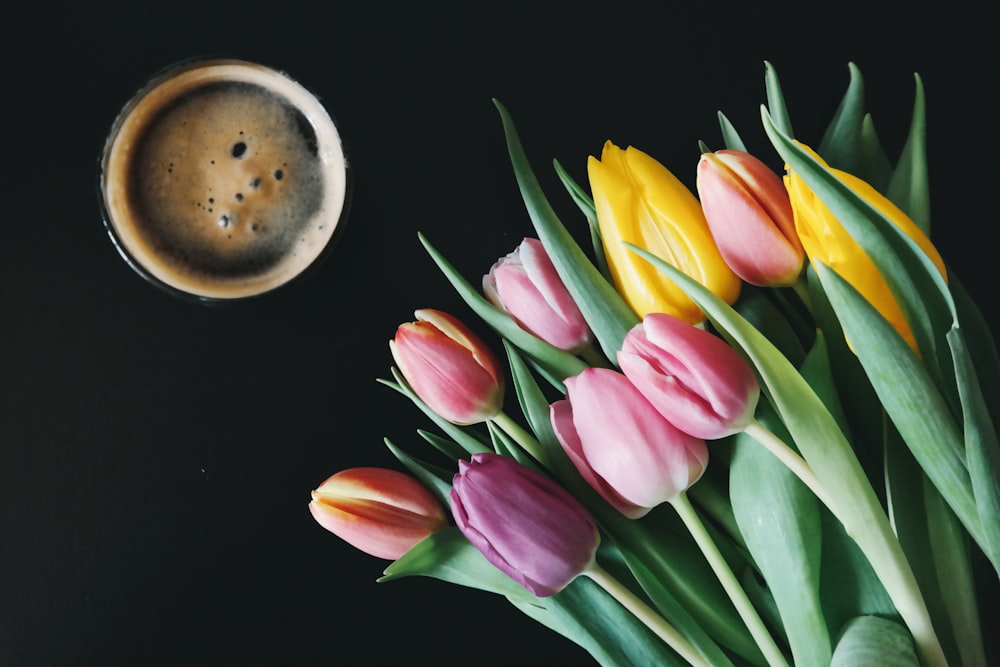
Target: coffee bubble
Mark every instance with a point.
(222, 180)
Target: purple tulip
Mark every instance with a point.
(621, 444)
(525, 524)
(693, 378)
(526, 286)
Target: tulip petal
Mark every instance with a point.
(381, 512)
(524, 523)
(628, 444)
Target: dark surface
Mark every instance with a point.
(156, 456)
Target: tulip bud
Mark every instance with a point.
(526, 285)
(525, 524)
(626, 450)
(449, 367)
(827, 242)
(639, 201)
(692, 377)
(747, 209)
(382, 512)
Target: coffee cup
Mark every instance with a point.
(223, 180)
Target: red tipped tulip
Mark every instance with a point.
(526, 285)
(692, 377)
(382, 512)
(449, 367)
(748, 210)
(525, 524)
(622, 446)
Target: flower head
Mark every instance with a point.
(450, 368)
(827, 242)
(626, 450)
(639, 201)
(379, 511)
(528, 526)
(692, 377)
(747, 209)
(526, 285)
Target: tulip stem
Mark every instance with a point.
(744, 607)
(792, 460)
(801, 288)
(521, 436)
(659, 625)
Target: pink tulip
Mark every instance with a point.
(526, 285)
(525, 524)
(750, 216)
(692, 377)
(449, 367)
(622, 446)
(382, 512)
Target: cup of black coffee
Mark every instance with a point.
(223, 180)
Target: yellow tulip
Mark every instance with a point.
(827, 242)
(640, 201)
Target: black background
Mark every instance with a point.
(156, 457)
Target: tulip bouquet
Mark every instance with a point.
(756, 422)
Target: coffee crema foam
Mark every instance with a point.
(223, 179)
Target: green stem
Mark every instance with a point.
(645, 613)
(791, 459)
(801, 288)
(746, 610)
(522, 437)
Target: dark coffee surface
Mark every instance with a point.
(225, 181)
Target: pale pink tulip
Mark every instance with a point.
(691, 376)
(525, 284)
(622, 446)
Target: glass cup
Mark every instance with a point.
(223, 180)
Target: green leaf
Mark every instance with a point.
(982, 451)
(435, 478)
(841, 143)
(586, 206)
(909, 188)
(467, 439)
(534, 404)
(609, 317)
(870, 640)
(730, 137)
(779, 519)
(582, 612)
(875, 166)
(559, 362)
(450, 450)
(909, 396)
(447, 555)
(953, 567)
(910, 496)
(848, 585)
(585, 613)
(981, 346)
(776, 100)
